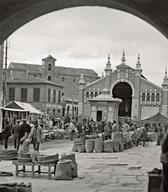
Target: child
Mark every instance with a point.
(25, 143)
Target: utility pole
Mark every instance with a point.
(1, 83)
(5, 75)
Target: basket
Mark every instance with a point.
(44, 159)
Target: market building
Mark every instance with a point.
(140, 97)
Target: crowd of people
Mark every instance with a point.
(23, 134)
(106, 128)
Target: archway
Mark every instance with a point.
(123, 91)
(14, 14)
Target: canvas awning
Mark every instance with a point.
(157, 118)
(22, 107)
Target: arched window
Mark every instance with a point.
(49, 67)
(157, 97)
(87, 94)
(143, 97)
(96, 94)
(91, 94)
(153, 97)
(148, 97)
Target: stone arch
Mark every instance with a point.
(122, 80)
(15, 14)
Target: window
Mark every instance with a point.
(87, 94)
(143, 97)
(11, 93)
(49, 78)
(59, 97)
(91, 94)
(96, 94)
(23, 94)
(36, 94)
(153, 97)
(54, 96)
(157, 97)
(148, 97)
(49, 95)
(63, 78)
(49, 67)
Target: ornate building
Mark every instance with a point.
(140, 97)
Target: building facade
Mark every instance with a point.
(140, 97)
(50, 88)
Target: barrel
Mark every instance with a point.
(89, 145)
(98, 146)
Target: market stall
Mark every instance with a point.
(19, 110)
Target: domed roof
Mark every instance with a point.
(105, 96)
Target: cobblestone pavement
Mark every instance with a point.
(98, 172)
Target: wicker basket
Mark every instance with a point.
(47, 159)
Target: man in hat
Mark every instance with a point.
(16, 132)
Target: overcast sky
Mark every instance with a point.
(83, 37)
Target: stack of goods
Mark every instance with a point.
(98, 147)
(117, 138)
(8, 154)
(24, 157)
(79, 145)
(71, 157)
(14, 187)
(46, 159)
(89, 145)
(108, 146)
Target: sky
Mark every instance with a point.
(83, 37)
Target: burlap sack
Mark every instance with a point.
(64, 170)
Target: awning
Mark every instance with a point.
(22, 107)
(157, 118)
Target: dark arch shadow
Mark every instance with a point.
(21, 12)
(123, 91)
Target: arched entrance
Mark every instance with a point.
(123, 91)
(14, 14)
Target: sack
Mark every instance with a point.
(70, 156)
(108, 146)
(64, 170)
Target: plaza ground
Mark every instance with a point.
(98, 172)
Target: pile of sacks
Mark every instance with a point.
(16, 187)
(66, 168)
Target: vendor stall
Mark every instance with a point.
(19, 110)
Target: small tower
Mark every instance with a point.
(123, 60)
(48, 68)
(108, 71)
(164, 100)
(165, 81)
(81, 85)
(138, 68)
